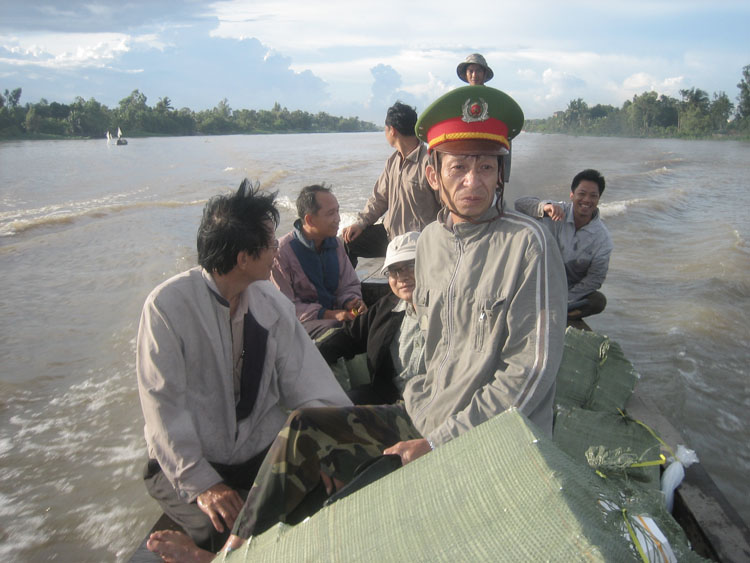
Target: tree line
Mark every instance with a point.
(695, 115)
(91, 119)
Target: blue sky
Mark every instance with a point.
(356, 58)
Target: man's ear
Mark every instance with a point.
(242, 259)
(306, 219)
(432, 177)
(571, 195)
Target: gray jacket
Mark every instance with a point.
(185, 378)
(491, 302)
(585, 251)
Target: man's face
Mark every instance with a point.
(585, 199)
(389, 135)
(260, 268)
(401, 279)
(475, 75)
(469, 182)
(324, 223)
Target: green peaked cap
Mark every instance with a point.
(470, 113)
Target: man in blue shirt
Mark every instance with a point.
(312, 268)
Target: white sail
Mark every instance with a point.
(119, 133)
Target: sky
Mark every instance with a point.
(355, 58)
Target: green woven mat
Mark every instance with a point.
(594, 373)
(610, 442)
(501, 492)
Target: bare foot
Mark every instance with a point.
(176, 547)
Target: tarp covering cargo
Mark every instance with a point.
(594, 373)
(506, 492)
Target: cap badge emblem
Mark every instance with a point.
(475, 110)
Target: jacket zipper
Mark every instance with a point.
(449, 332)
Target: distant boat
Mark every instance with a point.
(120, 139)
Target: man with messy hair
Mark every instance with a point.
(220, 358)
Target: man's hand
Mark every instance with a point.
(351, 232)
(338, 315)
(554, 211)
(409, 450)
(220, 500)
(330, 483)
(355, 306)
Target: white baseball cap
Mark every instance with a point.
(401, 249)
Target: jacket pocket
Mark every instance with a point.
(422, 306)
(487, 313)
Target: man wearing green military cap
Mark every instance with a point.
(490, 298)
(490, 284)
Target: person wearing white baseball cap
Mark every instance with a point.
(387, 331)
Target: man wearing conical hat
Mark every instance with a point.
(474, 70)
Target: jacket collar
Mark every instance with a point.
(445, 219)
(329, 242)
(570, 218)
(258, 297)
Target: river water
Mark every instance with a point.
(87, 230)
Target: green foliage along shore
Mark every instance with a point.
(653, 115)
(90, 119)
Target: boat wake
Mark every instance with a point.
(20, 221)
(661, 202)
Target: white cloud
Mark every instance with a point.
(638, 81)
(334, 45)
(67, 50)
(641, 81)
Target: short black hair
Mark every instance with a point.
(233, 223)
(592, 176)
(402, 118)
(307, 201)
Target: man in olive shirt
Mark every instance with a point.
(402, 195)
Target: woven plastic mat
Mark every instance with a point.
(594, 373)
(501, 492)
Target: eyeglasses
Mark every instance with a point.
(400, 271)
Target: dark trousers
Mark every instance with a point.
(187, 515)
(593, 304)
(371, 243)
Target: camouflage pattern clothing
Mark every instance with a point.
(333, 439)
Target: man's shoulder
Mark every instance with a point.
(419, 154)
(286, 252)
(177, 285)
(520, 225)
(431, 232)
(518, 220)
(286, 239)
(393, 159)
(267, 303)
